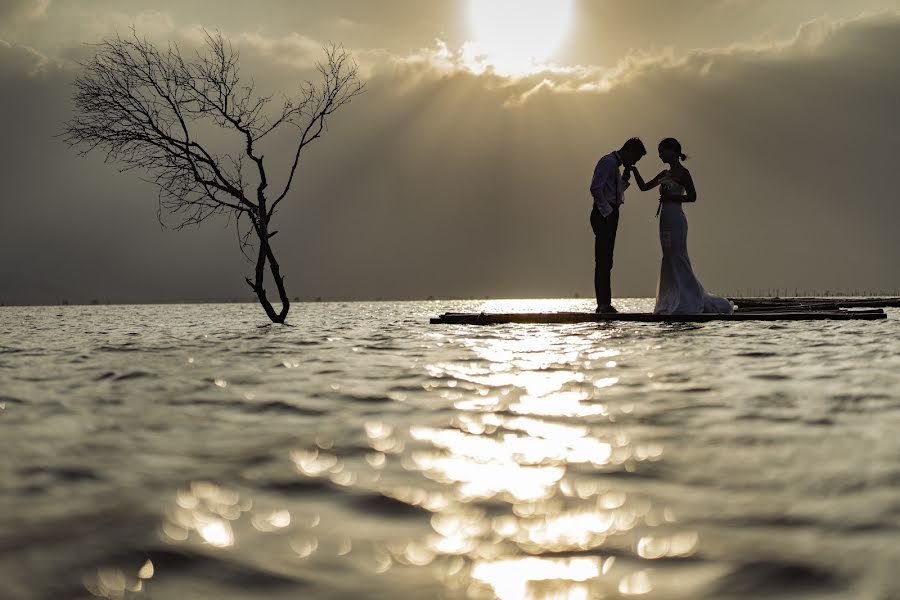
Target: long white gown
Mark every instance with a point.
(679, 291)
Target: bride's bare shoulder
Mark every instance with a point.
(680, 174)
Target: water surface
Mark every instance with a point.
(181, 452)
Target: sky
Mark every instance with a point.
(463, 171)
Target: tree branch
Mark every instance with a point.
(143, 108)
(340, 84)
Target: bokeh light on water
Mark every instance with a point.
(367, 454)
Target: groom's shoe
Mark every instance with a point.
(606, 309)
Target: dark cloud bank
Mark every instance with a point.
(445, 189)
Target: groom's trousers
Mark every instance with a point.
(604, 245)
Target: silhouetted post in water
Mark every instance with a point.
(142, 106)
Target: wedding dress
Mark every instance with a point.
(678, 290)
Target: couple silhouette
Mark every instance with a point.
(678, 290)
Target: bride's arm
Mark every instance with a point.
(646, 186)
(690, 192)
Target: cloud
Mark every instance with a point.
(448, 182)
(154, 24)
(17, 60)
(785, 136)
(813, 39)
(345, 23)
(294, 49)
(23, 9)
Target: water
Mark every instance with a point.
(181, 452)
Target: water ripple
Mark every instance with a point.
(184, 452)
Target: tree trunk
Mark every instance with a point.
(266, 255)
(279, 283)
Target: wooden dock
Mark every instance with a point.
(812, 304)
(752, 314)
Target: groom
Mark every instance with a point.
(608, 189)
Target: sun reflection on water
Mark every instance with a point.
(510, 579)
(530, 425)
(516, 478)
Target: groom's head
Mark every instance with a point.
(632, 151)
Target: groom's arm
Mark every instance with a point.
(605, 169)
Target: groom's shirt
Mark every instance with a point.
(607, 186)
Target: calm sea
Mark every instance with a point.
(187, 452)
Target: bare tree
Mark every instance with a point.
(145, 107)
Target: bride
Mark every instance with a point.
(678, 291)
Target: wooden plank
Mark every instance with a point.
(574, 317)
(652, 317)
(816, 298)
(816, 303)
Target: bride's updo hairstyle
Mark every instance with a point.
(673, 144)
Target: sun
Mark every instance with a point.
(516, 36)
